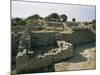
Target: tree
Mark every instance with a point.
(73, 19)
(86, 23)
(53, 17)
(30, 19)
(35, 16)
(94, 21)
(17, 21)
(63, 18)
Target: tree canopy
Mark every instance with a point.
(53, 17)
(35, 16)
(73, 19)
(31, 18)
(17, 21)
(63, 18)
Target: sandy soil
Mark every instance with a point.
(84, 58)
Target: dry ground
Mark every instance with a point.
(84, 58)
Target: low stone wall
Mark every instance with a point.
(23, 64)
(80, 36)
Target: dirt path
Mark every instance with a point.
(84, 58)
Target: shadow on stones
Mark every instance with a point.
(77, 50)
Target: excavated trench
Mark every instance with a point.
(42, 42)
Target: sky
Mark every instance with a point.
(80, 12)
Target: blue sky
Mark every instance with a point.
(80, 12)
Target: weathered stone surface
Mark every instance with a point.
(43, 38)
(84, 58)
(51, 57)
(49, 38)
(79, 36)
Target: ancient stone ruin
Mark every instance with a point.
(48, 46)
(24, 47)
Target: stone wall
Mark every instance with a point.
(14, 48)
(40, 63)
(80, 36)
(43, 38)
(50, 38)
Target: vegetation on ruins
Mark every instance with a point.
(31, 18)
(94, 21)
(73, 19)
(53, 17)
(34, 18)
(54, 21)
(63, 18)
(17, 21)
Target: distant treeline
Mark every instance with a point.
(52, 17)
